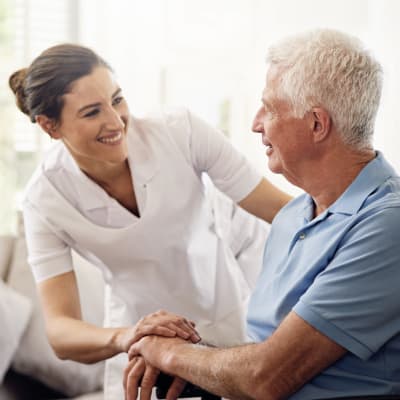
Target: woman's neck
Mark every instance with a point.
(107, 175)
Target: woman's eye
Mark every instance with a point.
(117, 100)
(92, 113)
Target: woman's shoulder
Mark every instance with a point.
(166, 128)
(167, 118)
(55, 162)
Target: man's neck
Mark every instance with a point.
(334, 175)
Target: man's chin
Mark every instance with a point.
(274, 167)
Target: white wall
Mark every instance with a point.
(209, 55)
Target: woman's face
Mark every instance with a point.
(94, 120)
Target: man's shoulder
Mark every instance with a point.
(385, 197)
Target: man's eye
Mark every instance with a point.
(117, 100)
(268, 113)
(92, 113)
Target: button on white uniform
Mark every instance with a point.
(302, 236)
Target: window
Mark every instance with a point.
(26, 28)
(208, 56)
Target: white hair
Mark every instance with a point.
(333, 70)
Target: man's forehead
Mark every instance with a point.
(268, 92)
(269, 88)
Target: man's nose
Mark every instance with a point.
(258, 125)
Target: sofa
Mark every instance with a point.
(28, 367)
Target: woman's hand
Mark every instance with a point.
(160, 323)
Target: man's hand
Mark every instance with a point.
(137, 373)
(157, 350)
(140, 373)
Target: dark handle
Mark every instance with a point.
(164, 381)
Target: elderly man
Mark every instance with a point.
(325, 315)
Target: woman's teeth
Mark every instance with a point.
(111, 139)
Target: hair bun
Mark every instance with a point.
(17, 83)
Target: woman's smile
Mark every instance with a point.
(111, 139)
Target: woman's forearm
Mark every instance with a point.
(265, 201)
(80, 341)
(74, 339)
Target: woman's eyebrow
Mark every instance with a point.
(98, 104)
(118, 91)
(88, 106)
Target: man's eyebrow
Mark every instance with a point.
(265, 102)
(118, 91)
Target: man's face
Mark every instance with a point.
(288, 139)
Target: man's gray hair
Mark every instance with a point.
(332, 70)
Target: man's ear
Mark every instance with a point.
(322, 123)
(49, 125)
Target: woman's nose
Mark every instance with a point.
(114, 120)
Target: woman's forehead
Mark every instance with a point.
(99, 85)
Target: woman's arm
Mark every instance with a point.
(69, 336)
(230, 171)
(265, 200)
(74, 339)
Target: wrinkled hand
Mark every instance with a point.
(161, 323)
(157, 350)
(138, 371)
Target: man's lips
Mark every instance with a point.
(266, 143)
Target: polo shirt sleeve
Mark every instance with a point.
(48, 254)
(355, 300)
(209, 151)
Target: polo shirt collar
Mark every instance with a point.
(374, 174)
(371, 177)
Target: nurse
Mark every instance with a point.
(127, 194)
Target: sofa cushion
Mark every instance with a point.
(6, 248)
(15, 311)
(34, 356)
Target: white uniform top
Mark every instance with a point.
(173, 256)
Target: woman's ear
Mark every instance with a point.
(322, 124)
(49, 125)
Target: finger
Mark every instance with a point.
(151, 330)
(127, 369)
(186, 327)
(133, 379)
(193, 333)
(180, 330)
(134, 350)
(175, 389)
(148, 381)
(164, 331)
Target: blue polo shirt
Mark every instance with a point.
(340, 272)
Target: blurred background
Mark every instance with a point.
(206, 55)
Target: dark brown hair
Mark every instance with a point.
(39, 89)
